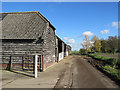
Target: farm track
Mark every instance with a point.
(84, 75)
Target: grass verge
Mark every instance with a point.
(111, 66)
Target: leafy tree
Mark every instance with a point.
(105, 46)
(97, 46)
(113, 43)
(83, 51)
(92, 49)
(119, 45)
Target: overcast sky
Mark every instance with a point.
(74, 20)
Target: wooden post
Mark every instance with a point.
(42, 64)
(36, 63)
(22, 63)
(10, 63)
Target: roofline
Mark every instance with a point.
(61, 39)
(45, 19)
(18, 12)
(31, 12)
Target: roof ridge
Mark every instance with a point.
(19, 12)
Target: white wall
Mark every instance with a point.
(61, 56)
(67, 53)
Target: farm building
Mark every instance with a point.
(62, 49)
(30, 33)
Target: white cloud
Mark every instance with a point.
(104, 32)
(76, 46)
(66, 38)
(88, 33)
(115, 24)
(69, 41)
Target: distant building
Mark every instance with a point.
(62, 49)
(30, 33)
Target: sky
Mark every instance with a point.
(74, 20)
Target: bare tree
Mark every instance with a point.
(86, 43)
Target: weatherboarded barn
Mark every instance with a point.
(62, 49)
(29, 33)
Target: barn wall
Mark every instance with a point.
(49, 47)
(18, 49)
(56, 49)
(62, 49)
(61, 54)
(31, 26)
(69, 49)
(22, 38)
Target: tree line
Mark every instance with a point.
(110, 45)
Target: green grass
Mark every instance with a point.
(111, 67)
(106, 60)
(91, 55)
(108, 53)
(112, 72)
(118, 62)
(75, 53)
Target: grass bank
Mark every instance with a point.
(110, 66)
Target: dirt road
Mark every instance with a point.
(86, 76)
(71, 72)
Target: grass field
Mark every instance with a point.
(116, 55)
(109, 64)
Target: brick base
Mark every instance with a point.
(4, 66)
(47, 65)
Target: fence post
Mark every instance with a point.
(36, 63)
(10, 63)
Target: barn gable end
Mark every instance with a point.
(29, 33)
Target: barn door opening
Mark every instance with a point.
(26, 64)
(40, 63)
(22, 64)
(56, 54)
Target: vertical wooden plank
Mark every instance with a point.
(36, 61)
(42, 63)
(34, 64)
(22, 63)
(10, 62)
